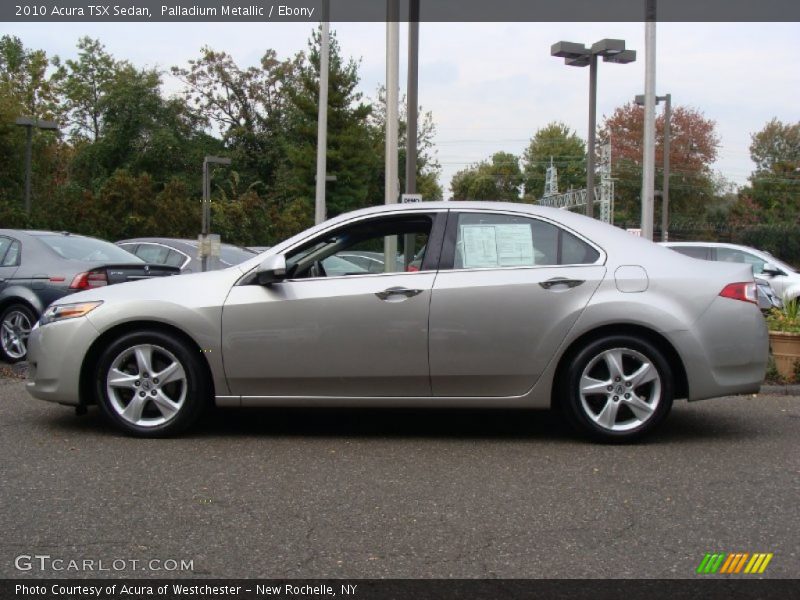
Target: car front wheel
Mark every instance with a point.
(617, 388)
(151, 384)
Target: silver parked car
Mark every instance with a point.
(512, 306)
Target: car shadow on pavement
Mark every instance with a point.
(682, 426)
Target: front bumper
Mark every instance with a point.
(55, 355)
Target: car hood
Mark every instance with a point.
(191, 290)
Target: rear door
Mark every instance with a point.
(509, 290)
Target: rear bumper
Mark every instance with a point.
(726, 351)
(55, 355)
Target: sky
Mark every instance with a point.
(491, 86)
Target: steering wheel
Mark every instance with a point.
(317, 270)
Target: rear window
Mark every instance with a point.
(233, 255)
(87, 249)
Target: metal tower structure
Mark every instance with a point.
(604, 193)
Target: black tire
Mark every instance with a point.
(137, 392)
(616, 410)
(16, 322)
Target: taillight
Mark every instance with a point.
(745, 291)
(89, 280)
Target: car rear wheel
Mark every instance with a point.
(151, 384)
(16, 323)
(617, 388)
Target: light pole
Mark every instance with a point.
(322, 116)
(29, 123)
(204, 249)
(578, 55)
(667, 100)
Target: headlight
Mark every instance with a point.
(59, 312)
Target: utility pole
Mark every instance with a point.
(591, 141)
(649, 142)
(412, 96)
(322, 116)
(206, 224)
(392, 125)
(665, 185)
(667, 99)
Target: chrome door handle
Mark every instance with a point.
(560, 281)
(397, 291)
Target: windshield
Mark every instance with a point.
(87, 249)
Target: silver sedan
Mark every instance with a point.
(510, 306)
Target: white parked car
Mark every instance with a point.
(783, 278)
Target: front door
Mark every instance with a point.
(333, 328)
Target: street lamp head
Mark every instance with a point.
(579, 61)
(217, 160)
(568, 50)
(622, 58)
(31, 122)
(608, 47)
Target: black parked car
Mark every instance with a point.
(38, 267)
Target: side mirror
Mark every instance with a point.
(772, 270)
(272, 270)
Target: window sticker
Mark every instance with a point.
(488, 246)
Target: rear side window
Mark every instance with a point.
(11, 259)
(737, 256)
(175, 259)
(693, 251)
(5, 244)
(153, 253)
(486, 241)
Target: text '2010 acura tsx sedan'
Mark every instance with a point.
(506, 305)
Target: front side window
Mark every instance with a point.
(487, 241)
(386, 245)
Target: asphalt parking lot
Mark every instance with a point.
(371, 493)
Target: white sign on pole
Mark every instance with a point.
(405, 198)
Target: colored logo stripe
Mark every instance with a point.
(734, 563)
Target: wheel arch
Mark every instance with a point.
(89, 364)
(671, 355)
(27, 300)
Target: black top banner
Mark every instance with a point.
(377, 10)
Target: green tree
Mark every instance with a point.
(775, 184)
(558, 143)
(500, 178)
(248, 106)
(27, 89)
(350, 155)
(83, 84)
(428, 167)
(143, 133)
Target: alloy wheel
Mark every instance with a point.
(146, 385)
(14, 332)
(620, 389)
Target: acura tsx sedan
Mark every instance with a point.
(506, 305)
